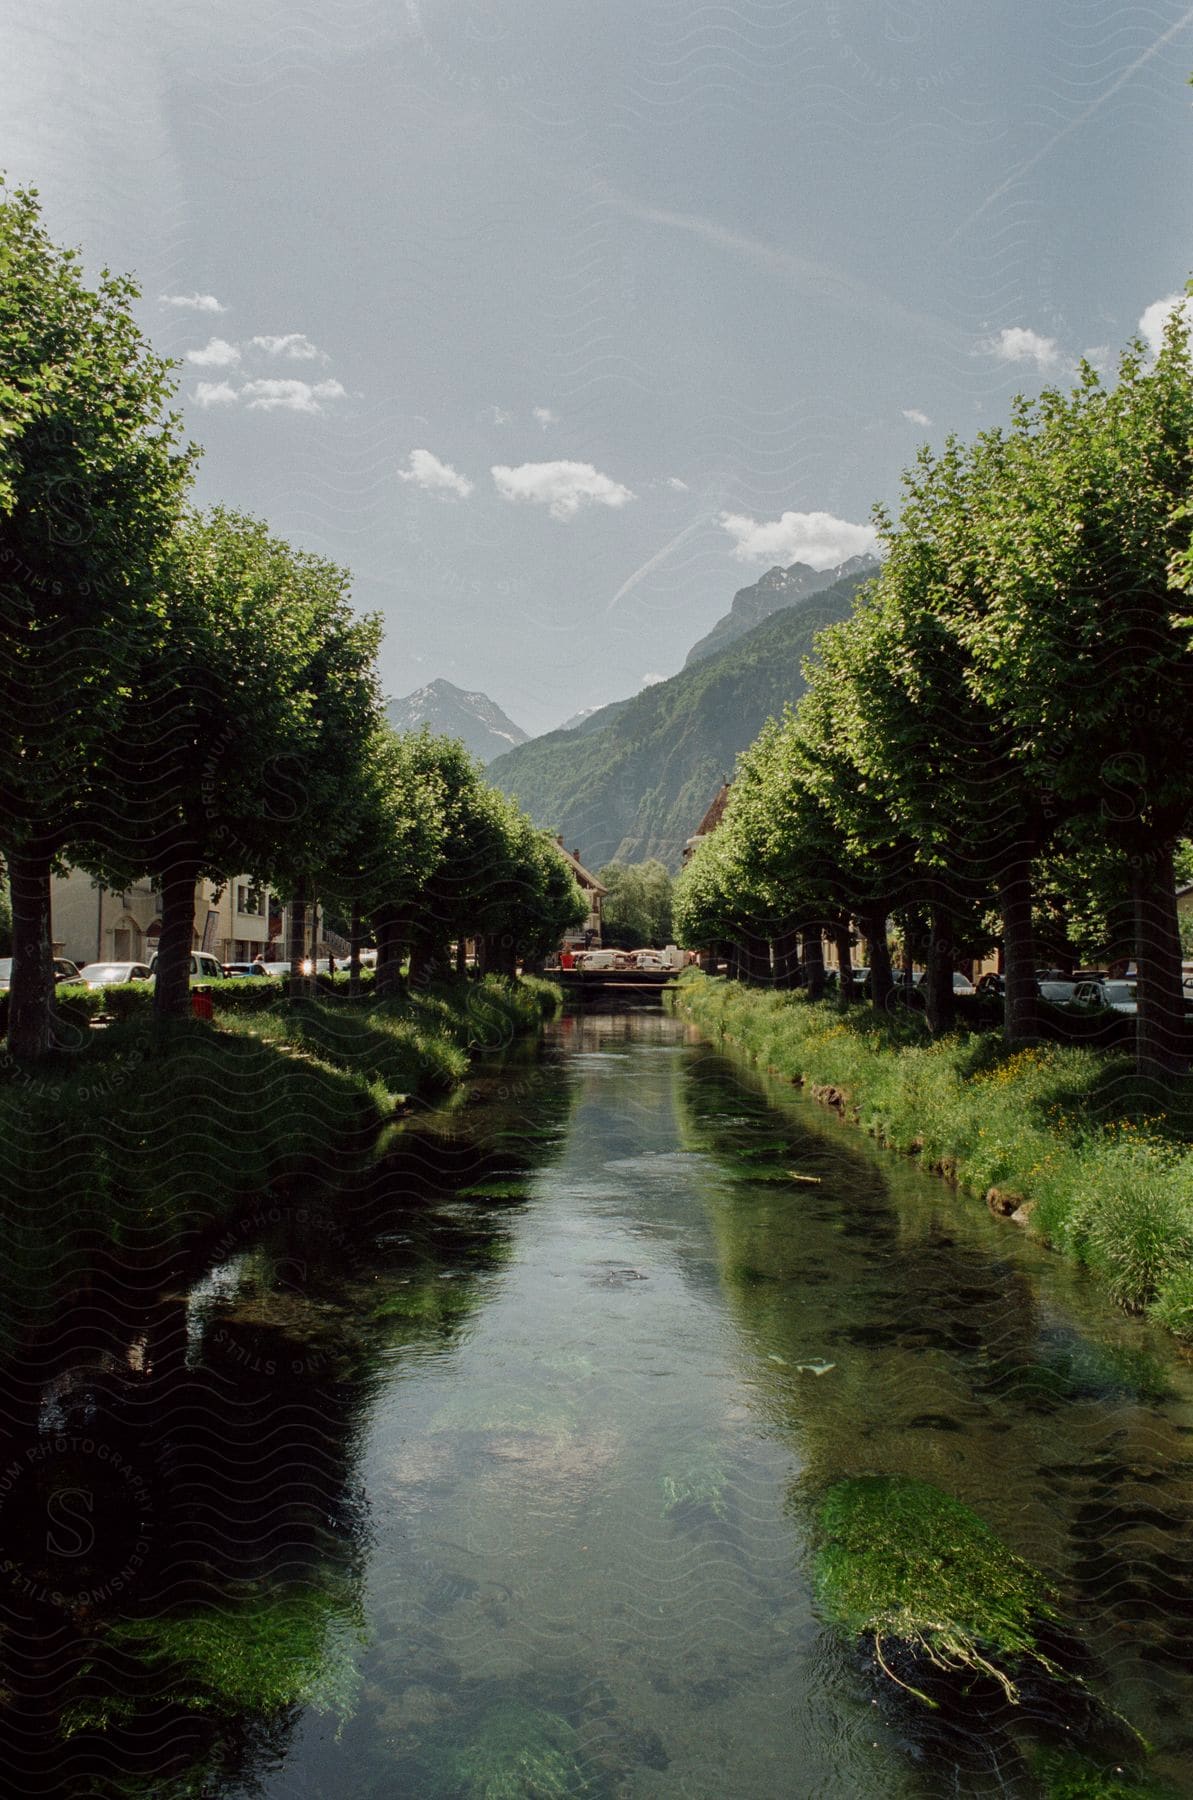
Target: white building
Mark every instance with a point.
(94, 923)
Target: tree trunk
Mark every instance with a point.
(754, 952)
(879, 952)
(388, 927)
(941, 996)
(813, 962)
(841, 939)
(355, 932)
(1022, 1002)
(31, 994)
(299, 983)
(172, 972)
(786, 958)
(1160, 1044)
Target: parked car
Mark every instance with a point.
(204, 966)
(1115, 996)
(235, 971)
(114, 974)
(64, 970)
(1059, 991)
(597, 960)
(992, 987)
(962, 985)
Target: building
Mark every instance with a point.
(589, 933)
(709, 822)
(94, 923)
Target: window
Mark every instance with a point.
(250, 900)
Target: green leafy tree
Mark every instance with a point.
(636, 911)
(92, 479)
(1082, 647)
(253, 714)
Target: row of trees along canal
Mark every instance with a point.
(999, 739)
(184, 695)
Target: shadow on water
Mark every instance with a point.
(493, 1474)
(183, 1531)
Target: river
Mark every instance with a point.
(495, 1477)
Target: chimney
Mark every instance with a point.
(576, 855)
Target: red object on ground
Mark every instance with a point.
(567, 960)
(201, 1006)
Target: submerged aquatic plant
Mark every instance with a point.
(257, 1657)
(697, 1486)
(1066, 1775)
(914, 1571)
(517, 1752)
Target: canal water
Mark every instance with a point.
(495, 1477)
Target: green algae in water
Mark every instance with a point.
(1075, 1368)
(518, 1753)
(1065, 1775)
(435, 1303)
(907, 1567)
(258, 1658)
(697, 1487)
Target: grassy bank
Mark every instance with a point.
(138, 1140)
(1097, 1164)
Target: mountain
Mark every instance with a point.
(593, 718)
(447, 709)
(639, 783)
(770, 593)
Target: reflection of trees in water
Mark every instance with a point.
(181, 1575)
(948, 1364)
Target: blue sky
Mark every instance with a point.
(558, 323)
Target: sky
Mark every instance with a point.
(559, 323)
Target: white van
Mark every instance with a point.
(204, 966)
(598, 960)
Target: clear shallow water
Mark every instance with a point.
(534, 1465)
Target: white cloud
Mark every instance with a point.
(205, 303)
(1156, 316)
(1019, 344)
(294, 346)
(673, 481)
(426, 471)
(545, 416)
(290, 396)
(562, 487)
(817, 538)
(215, 393)
(650, 680)
(497, 415)
(914, 416)
(218, 353)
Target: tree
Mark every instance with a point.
(1083, 644)
(92, 479)
(253, 712)
(393, 807)
(636, 910)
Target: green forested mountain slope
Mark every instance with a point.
(639, 786)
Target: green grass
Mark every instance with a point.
(1105, 1160)
(135, 1139)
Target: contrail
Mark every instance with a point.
(1024, 168)
(820, 280)
(653, 562)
